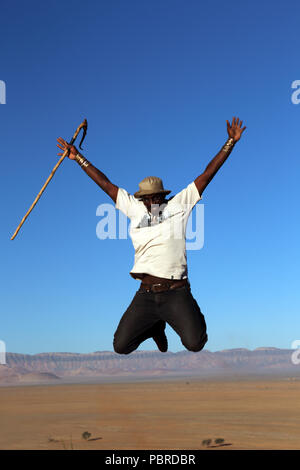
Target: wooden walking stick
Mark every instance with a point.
(83, 126)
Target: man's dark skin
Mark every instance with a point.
(152, 201)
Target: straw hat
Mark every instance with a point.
(151, 185)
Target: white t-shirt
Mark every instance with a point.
(160, 244)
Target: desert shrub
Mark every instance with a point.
(206, 442)
(219, 441)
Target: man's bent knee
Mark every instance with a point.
(121, 347)
(118, 348)
(195, 346)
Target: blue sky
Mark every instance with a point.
(156, 81)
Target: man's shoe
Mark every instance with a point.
(161, 341)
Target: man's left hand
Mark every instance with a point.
(235, 130)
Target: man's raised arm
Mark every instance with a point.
(91, 171)
(235, 131)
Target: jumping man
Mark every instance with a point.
(157, 230)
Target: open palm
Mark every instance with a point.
(235, 129)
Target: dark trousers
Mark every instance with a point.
(149, 312)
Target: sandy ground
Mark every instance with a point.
(247, 414)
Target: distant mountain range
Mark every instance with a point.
(109, 366)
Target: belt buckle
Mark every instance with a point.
(154, 289)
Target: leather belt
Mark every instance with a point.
(164, 286)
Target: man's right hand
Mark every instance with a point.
(96, 175)
(63, 145)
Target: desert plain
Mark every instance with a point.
(245, 413)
